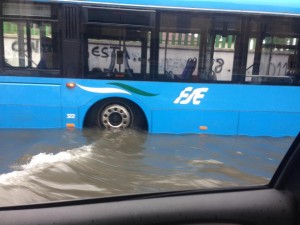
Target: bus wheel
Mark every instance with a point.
(115, 116)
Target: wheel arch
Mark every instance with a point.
(136, 110)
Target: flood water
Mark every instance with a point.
(52, 165)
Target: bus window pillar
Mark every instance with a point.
(21, 44)
(241, 52)
(258, 50)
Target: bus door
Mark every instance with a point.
(118, 43)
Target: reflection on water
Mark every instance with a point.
(50, 165)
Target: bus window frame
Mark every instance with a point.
(151, 27)
(239, 67)
(28, 70)
(208, 30)
(261, 31)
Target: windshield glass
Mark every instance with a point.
(101, 101)
(43, 165)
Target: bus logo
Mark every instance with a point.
(190, 94)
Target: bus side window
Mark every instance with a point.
(46, 54)
(44, 46)
(273, 53)
(30, 45)
(223, 57)
(15, 50)
(197, 48)
(178, 56)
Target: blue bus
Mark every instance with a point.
(181, 66)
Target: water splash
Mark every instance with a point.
(44, 161)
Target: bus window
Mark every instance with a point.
(117, 53)
(15, 50)
(220, 49)
(197, 47)
(45, 56)
(277, 61)
(273, 55)
(223, 57)
(30, 38)
(30, 45)
(179, 54)
(179, 45)
(117, 43)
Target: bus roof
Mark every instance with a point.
(254, 6)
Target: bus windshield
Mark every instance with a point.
(101, 98)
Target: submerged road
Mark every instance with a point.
(52, 165)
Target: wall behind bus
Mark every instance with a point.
(176, 58)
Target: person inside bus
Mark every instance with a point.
(46, 61)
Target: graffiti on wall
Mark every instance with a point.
(35, 46)
(100, 57)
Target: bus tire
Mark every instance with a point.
(115, 115)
